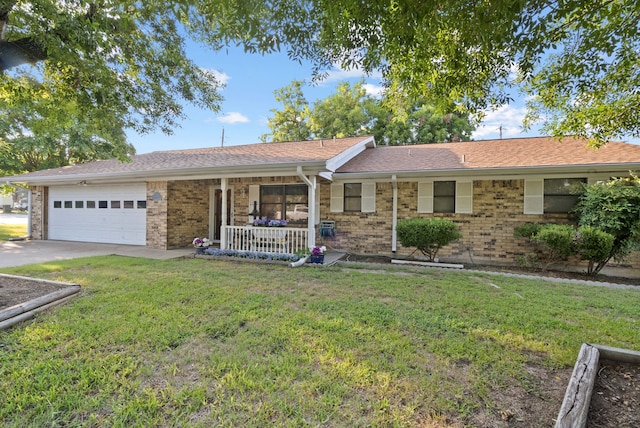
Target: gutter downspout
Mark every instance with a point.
(394, 218)
(311, 221)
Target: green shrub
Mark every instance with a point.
(427, 235)
(556, 242)
(614, 207)
(594, 245)
(526, 230)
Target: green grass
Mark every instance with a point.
(12, 231)
(201, 343)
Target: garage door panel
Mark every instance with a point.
(75, 214)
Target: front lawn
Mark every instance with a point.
(12, 231)
(194, 342)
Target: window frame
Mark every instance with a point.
(285, 204)
(570, 182)
(438, 196)
(367, 197)
(356, 196)
(462, 197)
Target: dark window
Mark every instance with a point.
(91, 204)
(115, 204)
(559, 194)
(79, 204)
(288, 202)
(142, 204)
(128, 204)
(57, 204)
(353, 197)
(103, 204)
(444, 196)
(68, 204)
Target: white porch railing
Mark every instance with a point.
(279, 240)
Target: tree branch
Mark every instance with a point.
(21, 51)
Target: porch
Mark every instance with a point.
(279, 240)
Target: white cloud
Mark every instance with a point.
(507, 119)
(233, 117)
(220, 76)
(338, 73)
(374, 90)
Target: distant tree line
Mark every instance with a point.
(351, 112)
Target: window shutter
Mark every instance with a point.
(534, 196)
(425, 197)
(254, 195)
(337, 198)
(368, 198)
(464, 197)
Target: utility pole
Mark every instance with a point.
(222, 140)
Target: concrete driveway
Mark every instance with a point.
(17, 253)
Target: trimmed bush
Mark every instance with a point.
(594, 245)
(427, 235)
(552, 243)
(557, 238)
(556, 242)
(526, 230)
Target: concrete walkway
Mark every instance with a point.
(18, 253)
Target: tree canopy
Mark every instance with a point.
(350, 111)
(81, 72)
(577, 60)
(290, 123)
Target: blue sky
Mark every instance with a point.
(249, 98)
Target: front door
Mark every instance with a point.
(217, 212)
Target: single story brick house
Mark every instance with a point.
(345, 193)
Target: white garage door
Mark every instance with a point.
(113, 214)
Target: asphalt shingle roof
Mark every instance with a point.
(509, 153)
(214, 157)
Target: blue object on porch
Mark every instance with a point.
(317, 258)
(327, 228)
(330, 258)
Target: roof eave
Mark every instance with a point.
(285, 169)
(499, 172)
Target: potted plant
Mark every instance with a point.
(200, 244)
(265, 222)
(317, 254)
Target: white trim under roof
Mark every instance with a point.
(491, 173)
(311, 168)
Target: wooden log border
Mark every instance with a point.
(17, 313)
(575, 406)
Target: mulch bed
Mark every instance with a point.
(18, 290)
(615, 401)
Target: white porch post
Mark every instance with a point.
(313, 209)
(223, 226)
(394, 215)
